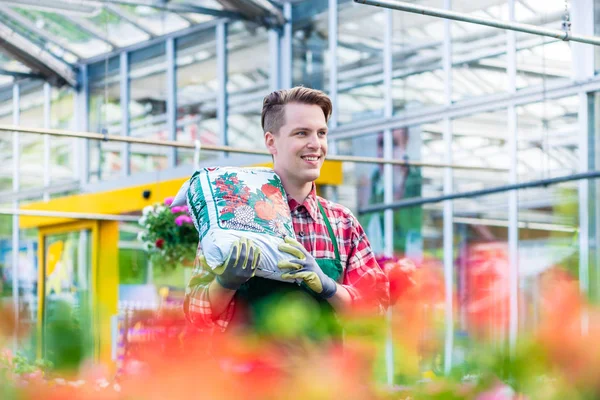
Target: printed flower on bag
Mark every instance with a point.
(265, 210)
(239, 208)
(269, 189)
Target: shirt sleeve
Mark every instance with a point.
(196, 305)
(364, 279)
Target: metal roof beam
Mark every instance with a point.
(37, 59)
(17, 74)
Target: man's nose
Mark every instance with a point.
(314, 142)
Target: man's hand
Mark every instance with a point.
(305, 267)
(240, 265)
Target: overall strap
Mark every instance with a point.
(331, 235)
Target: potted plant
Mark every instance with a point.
(168, 235)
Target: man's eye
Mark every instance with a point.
(301, 133)
(322, 133)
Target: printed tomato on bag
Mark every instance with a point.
(227, 203)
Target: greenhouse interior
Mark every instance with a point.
(463, 141)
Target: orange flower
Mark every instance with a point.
(265, 210)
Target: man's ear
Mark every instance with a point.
(270, 142)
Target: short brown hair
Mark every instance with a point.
(272, 118)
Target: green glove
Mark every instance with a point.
(305, 267)
(240, 265)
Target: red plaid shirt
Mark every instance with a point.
(362, 277)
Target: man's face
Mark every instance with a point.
(300, 146)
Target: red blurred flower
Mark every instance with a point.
(159, 243)
(400, 276)
(485, 287)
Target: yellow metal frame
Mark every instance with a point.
(92, 226)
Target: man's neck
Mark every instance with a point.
(297, 191)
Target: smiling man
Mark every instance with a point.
(333, 260)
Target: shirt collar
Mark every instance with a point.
(310, 203)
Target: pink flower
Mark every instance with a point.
(499, 392)
(179, 209)
(7, 355)
(183, 219)
(169, 201)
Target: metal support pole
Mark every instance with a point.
(171, 77)
(46, 152)
(81, 162)
(513, 205)
(274, 58)
(286, 48)
(494, 23)
(15, 219)
(222, 110)
(448, 226)
(583, 68)
(124, 88)
(333, 64)
(584, 204)
(388, 179)
(230, 149)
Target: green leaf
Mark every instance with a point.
(227, 216)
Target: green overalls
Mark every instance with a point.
(270, 307)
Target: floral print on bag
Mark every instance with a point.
(263, 211)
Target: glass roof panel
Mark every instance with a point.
(159, 22)
(117, 29)
(61, 26)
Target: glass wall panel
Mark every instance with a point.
(67, 306)
(596, 33)
(479, 52)
(197, 94)
(594, 198)
(360, 62)
(417, 60)
(105, 160)
(62, 154)
(311, 59)
(542, 60)
(148, 107)
(247, 84)
(31, 145)
(355, 191)
(548, 243)
(6, 142)
(481, 270)
(548, 138)
(365, 183)
(27, 274)
(134, 268)
(6, 257)
(480, 140)
(417, 230)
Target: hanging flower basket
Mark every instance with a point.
(168, 235)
